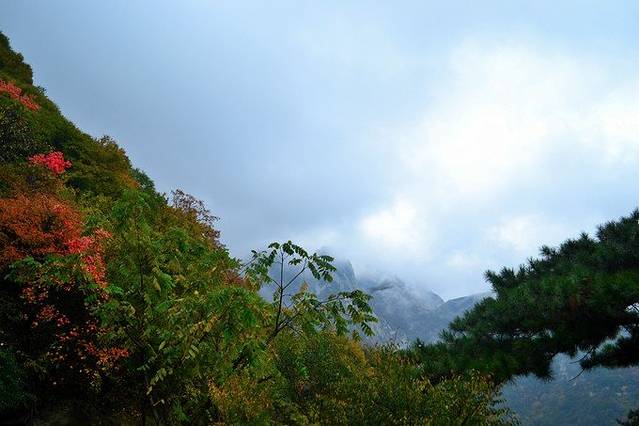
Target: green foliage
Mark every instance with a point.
(579, 299)
(19, 179)
(468, 399)
(143, 180)
(186, 326)
(194, 214)
(99, 165)
(17, 138)
(331, 379)
(12, 63)
(304, 311)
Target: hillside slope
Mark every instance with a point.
(119, 305)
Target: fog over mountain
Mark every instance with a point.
(405, 312)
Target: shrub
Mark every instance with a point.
(53, 161)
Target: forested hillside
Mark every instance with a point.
(120, 305)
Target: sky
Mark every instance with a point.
(426, 140)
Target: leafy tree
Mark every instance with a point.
(196, 214)
(52, 283)
(64, 338)
(303, 311)
(332, 379)
(100, 166)
(186, 324)
(323, 376)
(145, 182)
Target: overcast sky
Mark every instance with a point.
(427, 140)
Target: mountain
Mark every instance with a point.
(401, 310)
(438, 319)
(404, 313)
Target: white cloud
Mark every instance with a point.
(464, 260)
(316, 239)
(616, 125)
(507, 112)
(525, 234)
(504, 126)
(400, 226)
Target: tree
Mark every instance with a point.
(196, 214)
(303, 311)
(185, 322)
(581, 298)
(331, 379)
(53, 283)
(325, 376)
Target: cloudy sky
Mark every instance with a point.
(427, 140)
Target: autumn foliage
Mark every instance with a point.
(90, 250)
(16, 93)
(54, 295)
(53, 161)
(36, 226)
(58, 269)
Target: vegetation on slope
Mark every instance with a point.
(120, 305)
